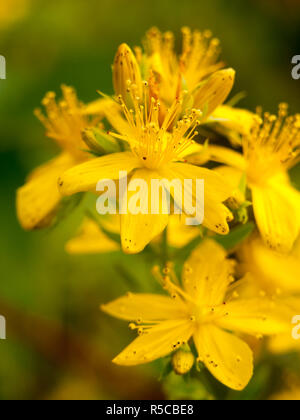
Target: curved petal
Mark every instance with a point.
(228, 358)
(138, 230)
(216, 214)
(215, 187)
(160, 341)
(259, 316)
(208, 273)
(38, 199)
(277, 216)
(85, 177)
(91, 240)
(146, 308)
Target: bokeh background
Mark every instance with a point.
(59, 345)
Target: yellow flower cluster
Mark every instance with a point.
(164, 107)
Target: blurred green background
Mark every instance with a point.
(59, 345)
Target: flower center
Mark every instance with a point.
(155, 143)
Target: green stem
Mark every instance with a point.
(165, 249)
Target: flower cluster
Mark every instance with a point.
(169, 119)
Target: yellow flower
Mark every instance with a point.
(270, 151)
(92, 239)
(205, 308)
(195, 76)
(38, 199)
(155, 153)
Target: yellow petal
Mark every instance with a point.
(292, 394)
(228, 157)
(233, 177)
(271, 270)
(38, 199)
(228, 358)
(193, 148)
(138, 230)
(179, 234)
(277, 216)
(85, 177)
(215, 187)
(283, 344)
(216, 215)
(208, 273)
(146, 308)
(235, 119)
(91, 240)
(100, 107)
(215, 91)
(258, 316)
(159, 341)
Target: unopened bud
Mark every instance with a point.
(126, 72)
(182, 362)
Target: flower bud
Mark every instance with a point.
(182, 362)
(126, 72)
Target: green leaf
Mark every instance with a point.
(166, 369)
(236, 236)
(99, 142)
(185, 388)
(113, 236)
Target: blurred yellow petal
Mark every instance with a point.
(277, 216)
(138, 230)
(235, 119)
(271, 270)
(215, 91)
(227, 357)
(99, 107)
(146, 308)
(179, 234)
(160, 341)
(289, 395)
(227, 157)
(85, 177)
(39, 198)
(91, 240)
(257, 316)
(284, 343)
(208, 273)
